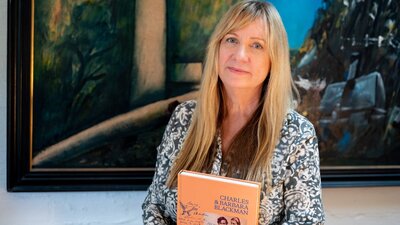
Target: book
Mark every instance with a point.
(205, 199)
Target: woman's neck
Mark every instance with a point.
(240, 107)
(241, 104)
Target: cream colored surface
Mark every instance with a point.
(150, 42)
(362, 206)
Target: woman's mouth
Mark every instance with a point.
(236, 70)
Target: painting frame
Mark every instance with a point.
(21, 177)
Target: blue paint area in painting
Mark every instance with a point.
(344, 142)
(298, 17)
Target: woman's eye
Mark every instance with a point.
(257, 46)
(231, 40)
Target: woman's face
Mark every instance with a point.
(243, 61)
(233, 222)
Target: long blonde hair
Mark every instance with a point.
(197, 149)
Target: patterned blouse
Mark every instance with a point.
(295, 195)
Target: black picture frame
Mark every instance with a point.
(359, 176)
(20, 176)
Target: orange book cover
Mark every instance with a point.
(205, 199)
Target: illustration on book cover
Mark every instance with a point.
(191, 214)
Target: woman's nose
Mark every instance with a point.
(241, 53)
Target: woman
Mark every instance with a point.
(242, 124)
(235, 221)
(222, 221)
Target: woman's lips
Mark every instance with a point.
(236, 70)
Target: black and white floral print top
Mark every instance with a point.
(295, 194)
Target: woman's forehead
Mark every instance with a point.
(256, 28)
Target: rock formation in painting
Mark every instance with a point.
(348, 74)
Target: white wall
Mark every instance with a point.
(351, 206)
(362, 206)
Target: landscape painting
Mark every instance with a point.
(93, 107)
(104, 77)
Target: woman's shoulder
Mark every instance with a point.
(189, 105)
(183, 112)
(295, 117)
(298, 123)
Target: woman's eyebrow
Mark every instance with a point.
(259, 39)
(253, 38)
(232, 33)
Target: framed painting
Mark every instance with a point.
(87, 96)
(345, 64)
(91, 85)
